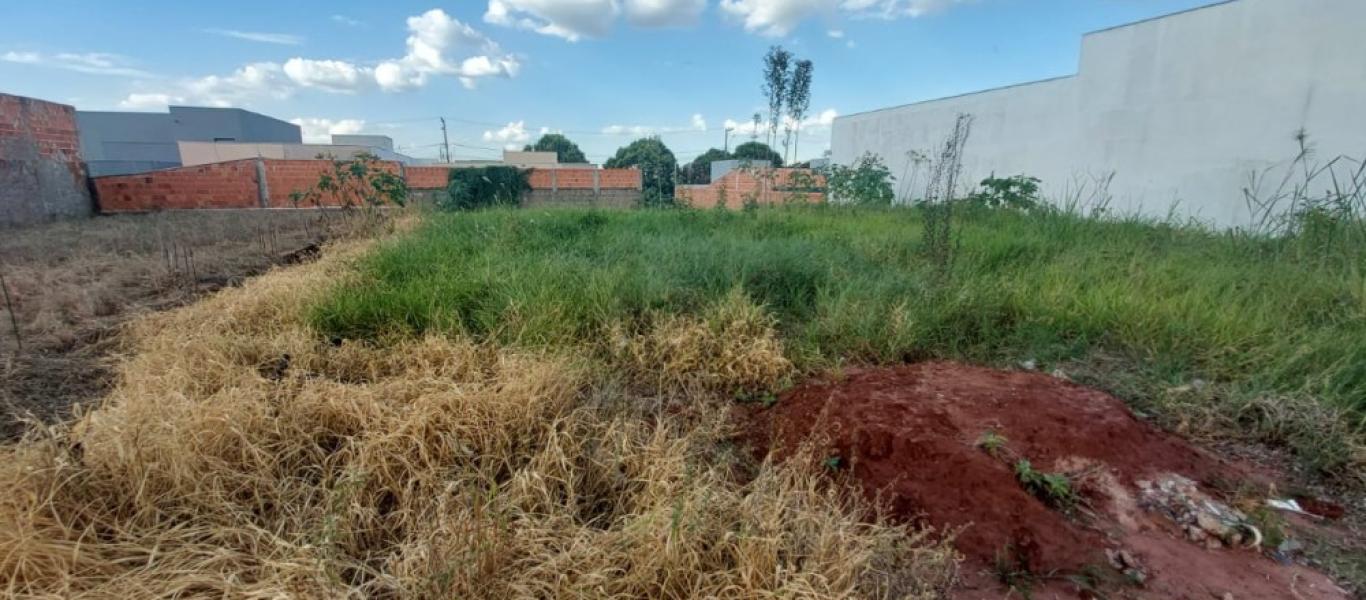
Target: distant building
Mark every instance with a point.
(524, 160)
(343, 147)
(119, 143)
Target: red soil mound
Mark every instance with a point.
(911, 434)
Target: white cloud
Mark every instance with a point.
(576, 19)
(347, 21)
(437, 45)
(697, 123)
(330, 75)
(814, 123)
(512, 135)
(664, 13)
(569, 19)
(435, 42)
(283, 39)
(633, 130)
(91, 63)
(835, 33)
(320, 131)
(776, 18)
(255, 80)
(150, 101)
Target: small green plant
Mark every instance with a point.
(833, 463)
(1020, 192)
(1013, 571)
(1055, 489)
(769, 400)
(363, 183)
(992, 443)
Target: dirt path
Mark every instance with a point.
(1108, 505)
(73, 284)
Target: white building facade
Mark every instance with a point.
(1173, 115)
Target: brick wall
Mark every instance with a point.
(765, 186)
(236, 184)
(42, 175)
(219, 185)
(284, 177)
(427, 178)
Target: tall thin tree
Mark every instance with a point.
(777, 71)
(754, 135)
(798, 101)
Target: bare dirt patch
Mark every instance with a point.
(941, 443)
(72, 284)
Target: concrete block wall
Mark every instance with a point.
(42, 176)
(1169, 115)
(768, 187)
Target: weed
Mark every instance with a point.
(1136, 304)
(1013, 570)
(992, 443)
(833, 463)
(1055, 489)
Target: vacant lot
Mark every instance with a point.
(71, 284)
(515, 404)
(1269, 330)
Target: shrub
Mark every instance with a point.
(485, 187)
(868, 182)
(1019, 192)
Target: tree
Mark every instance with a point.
(757, 151)
(754, 135)
(868, 182)
(657, 165)
(777, 72)
(698, 172)
(798, 101)
(565, 150)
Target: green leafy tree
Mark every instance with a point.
(484, 187)
(798, 102)
(698, 172)
(868, 182)
(563, 147)
(1020, 192)
(757, 151)
(657, 164)
(777, 73)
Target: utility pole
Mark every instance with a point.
(445, 142)
(727, 146)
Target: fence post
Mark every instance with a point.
(262, 188)
(597, 185)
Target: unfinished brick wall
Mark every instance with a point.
(219, 185)
(285, 177)
(427, 178)
(237, 184)
(767, 187)
(42, 176)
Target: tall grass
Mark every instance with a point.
(241, 456)
(1270, 322)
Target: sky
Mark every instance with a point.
(502, 72)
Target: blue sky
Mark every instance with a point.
(502, 71)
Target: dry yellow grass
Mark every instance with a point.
(242, 456)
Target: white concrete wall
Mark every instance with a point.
(1181, 110)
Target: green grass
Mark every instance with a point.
(1144, 306)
